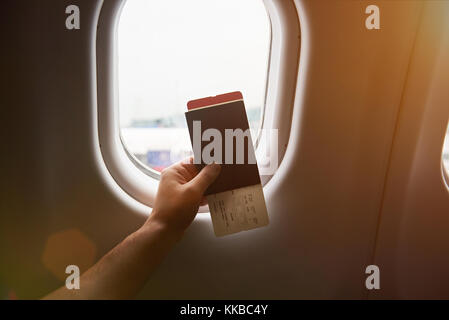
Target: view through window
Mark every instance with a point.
(173, 51)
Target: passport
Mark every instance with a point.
(219, 132)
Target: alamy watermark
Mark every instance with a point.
(72, 282)
(235, 140)
(373, 280)
(73, 21)
(372, 22)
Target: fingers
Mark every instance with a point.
(185, 168)
(205, 177)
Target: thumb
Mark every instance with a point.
(206, 176)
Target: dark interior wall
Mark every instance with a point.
(323, 218)
(48, 168)
(324, 202)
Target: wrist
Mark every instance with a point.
(156, 226)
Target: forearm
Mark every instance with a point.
(122, 272)
(125, 269)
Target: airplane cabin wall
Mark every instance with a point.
(357, 156)
(413, 245)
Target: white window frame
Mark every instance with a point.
(136, 180)
(444, 168)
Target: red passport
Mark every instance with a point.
(225, 112)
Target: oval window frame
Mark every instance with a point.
(137, 180)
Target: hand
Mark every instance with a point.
(181, 192)
(122, 272)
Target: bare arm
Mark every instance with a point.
(122, 272)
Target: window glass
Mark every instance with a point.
(173, 51)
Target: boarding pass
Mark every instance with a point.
(238, 210)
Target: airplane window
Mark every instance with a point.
(170, 52)
(446, 152)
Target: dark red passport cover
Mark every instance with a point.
(225, 115)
